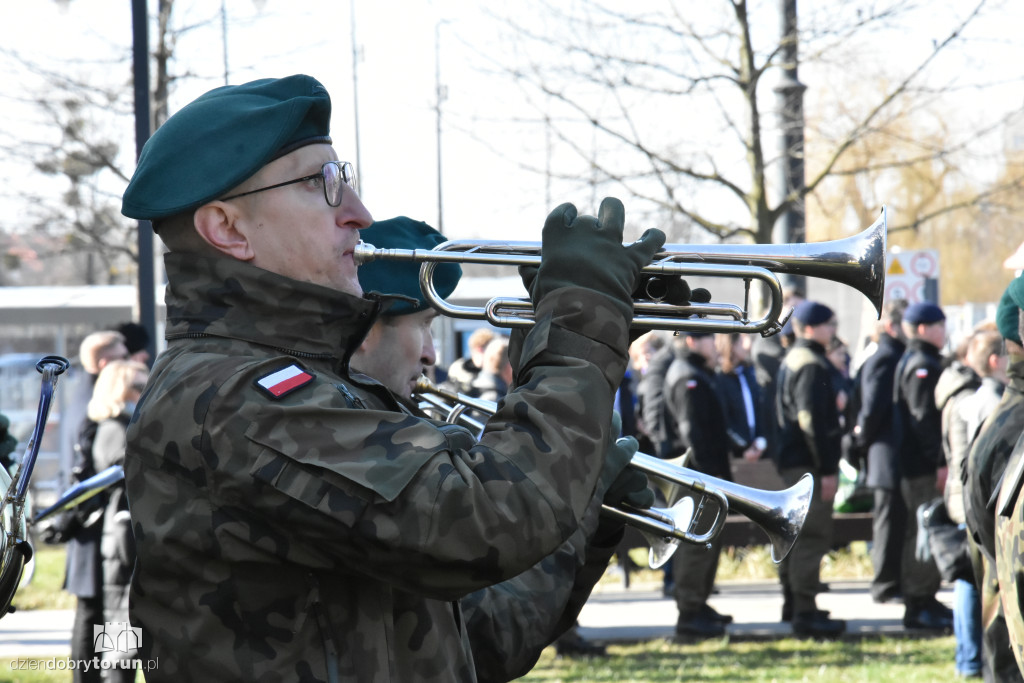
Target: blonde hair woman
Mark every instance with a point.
(117, 390)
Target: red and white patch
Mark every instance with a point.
(691, 384)
(284, 381)
(921, 373)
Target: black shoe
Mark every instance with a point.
(698, 625)
(787, 612)
(576, 646)
(926, 617)
(887, 596)
(713, 614)
(817, 624)
(938, 607)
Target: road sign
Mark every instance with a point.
(907, 271)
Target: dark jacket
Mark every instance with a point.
(875, 417)
(693, 416)
(650, 399)
(810, 435)
(918, 418)
(734, 403)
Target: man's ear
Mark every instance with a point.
(217, 224)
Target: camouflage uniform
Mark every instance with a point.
(320, 534)
(1010, 550)
(985, 466)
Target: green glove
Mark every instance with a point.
(629, 484)
(587, 252)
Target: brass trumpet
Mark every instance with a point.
(780, 514)
(857, 261)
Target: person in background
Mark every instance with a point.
(767, 354)
(809, 441)
(740, 395)
(118, 389)
(986, 464)
(83, 529)
(464, 370)
(495, 376)
(875, 433)
(136, 338)
(922, 464)
(696, 424)
(959, 382)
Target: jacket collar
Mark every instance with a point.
(231, 299)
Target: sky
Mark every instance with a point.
(488, 134)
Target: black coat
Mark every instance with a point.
(693, 416)
(806, 388)
(875, 417)
(918, 418)
(731, 391)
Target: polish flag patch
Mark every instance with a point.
(691, 384)
(921, 373)
(284, 381)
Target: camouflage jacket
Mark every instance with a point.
(1010, 555)
(292, 524)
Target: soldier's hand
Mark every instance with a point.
(620, 484)
(587, 252)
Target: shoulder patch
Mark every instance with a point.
(921, 373)
(691, 384)
(284, 381)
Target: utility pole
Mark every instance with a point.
(140, 80)
(791, 226)
(442, 95)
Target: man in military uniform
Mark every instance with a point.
(1010, 551)
(292, 522)
(397, 350)
(986, 464)
(810, 438)
(876, 434)
(922, 462)
(694, 421)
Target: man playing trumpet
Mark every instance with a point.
(521, 616)
(292, 521)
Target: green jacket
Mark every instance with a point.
(293, 524)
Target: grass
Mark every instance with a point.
(45, 590)
(897, 660)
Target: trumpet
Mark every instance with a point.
(780, 514)
(15, 549)
(857, 261)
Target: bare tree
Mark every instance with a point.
(671, 103)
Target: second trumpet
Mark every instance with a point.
(780, 514)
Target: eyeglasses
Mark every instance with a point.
(334, 175)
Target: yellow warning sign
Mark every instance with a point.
(895, 268)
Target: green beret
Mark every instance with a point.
(221, 139)
(403, 277)
(1008, 311)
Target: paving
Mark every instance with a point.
(614, 614)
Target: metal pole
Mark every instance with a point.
(355, 93)
(441, 96)
(791, 226)
(140, 72)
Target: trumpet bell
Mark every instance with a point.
(663, 547)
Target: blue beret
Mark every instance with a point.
(812, 313)
(221, 139)
(1008, 310)
(403, 277)
(923, 313)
